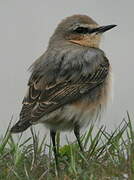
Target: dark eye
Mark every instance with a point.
(82, 30)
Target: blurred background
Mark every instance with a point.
(25, 28)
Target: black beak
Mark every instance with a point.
(103, 29)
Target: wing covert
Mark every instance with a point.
(49, 98)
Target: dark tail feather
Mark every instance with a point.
(20, 126)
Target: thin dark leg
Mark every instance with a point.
(53, 134)
(77, 134)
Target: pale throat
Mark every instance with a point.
(89, 41)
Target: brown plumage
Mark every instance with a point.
(70, 82)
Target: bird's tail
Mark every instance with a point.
(20, 126)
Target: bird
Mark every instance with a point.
(69, 84)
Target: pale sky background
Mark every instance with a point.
(25, 28)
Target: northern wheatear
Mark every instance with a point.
(70, 82)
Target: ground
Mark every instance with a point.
(106, 157)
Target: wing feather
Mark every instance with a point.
(64, 92)
(43, 98)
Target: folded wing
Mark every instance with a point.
(43, 98)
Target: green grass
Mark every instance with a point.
(107, 156)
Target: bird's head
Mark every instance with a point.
(80, 29)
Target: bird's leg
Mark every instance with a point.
(77, 134)
(53, 135)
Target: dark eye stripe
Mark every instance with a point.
(82, 30)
